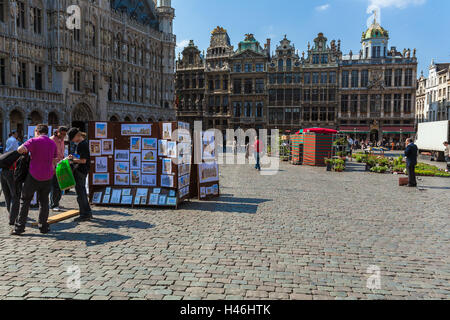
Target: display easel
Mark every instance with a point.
(146, 162)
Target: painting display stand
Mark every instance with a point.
(139, 164)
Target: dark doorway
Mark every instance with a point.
(374, 136)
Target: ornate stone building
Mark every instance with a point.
(190, 85)
(370, 95)
(248, 79)
(217, 77)
(434, 93)
(118, 66)
(377, 89)
(303, 90)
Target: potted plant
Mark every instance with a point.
(370, 163)
(329, 163)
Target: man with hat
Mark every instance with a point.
(81, 161)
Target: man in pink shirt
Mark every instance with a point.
(43, 156)
(55, 193)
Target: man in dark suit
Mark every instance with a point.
(411, 161)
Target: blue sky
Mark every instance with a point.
(421, 24)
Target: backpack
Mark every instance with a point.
(22, 167)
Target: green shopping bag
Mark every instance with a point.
(64, 175)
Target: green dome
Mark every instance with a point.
(375, 31)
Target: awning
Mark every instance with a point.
(398, 130)
(354, 129)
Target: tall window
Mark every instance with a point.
(407, 103)
(363, 104)
(272, 78)
(280, 65)
(316, 59)
(344, 103)
(397, 103)
(297, 96)
(20, 14)
(76, 37)
(409, 78)
(288, 65)
(119, 89)
(288, 97)
(248, 109)
(77, 81)
(259, 67)
(323, 78)
(333, 77)
(272, 96)
(248, 86)
(259, 86)
(315, 78)
(225, 83)
(248, 67)
(2, 72)
(288, 115)
(94, 84)
(323, 95)
(2, 10)
(398, 78)
(259, 109)
(344, 79)
(364, 78)
(297, 78)
(324, 59)
(306, 95)
(237, 109)
(354, 103)
(388, 77)
(376, 52)
(280, 78)
(37, 23)
(387, 104)
(22, 79)
(288, 78)
(331, 94)
(110, 89)
(315, 95)
(38, 77)
(355, 78)
(237, 86)
(307, 78)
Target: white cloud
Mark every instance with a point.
(182, 44)
(400, 4)
(323, 7)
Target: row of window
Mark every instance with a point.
(248, 67)
(288, 115)
(389, 75)
(305, 78)
(287, 96)
(23, 75)
(248, 109)
(390, 102)
(248, 86)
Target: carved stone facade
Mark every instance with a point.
(118, 66)
(370, 95)
(433, 94)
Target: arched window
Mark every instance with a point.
(113, 119)
(280, 64)
(288, 64)
(127, 119)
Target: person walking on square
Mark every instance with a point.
(411, 152)
(12, 143)
(257, 148)
(447, 155)
(43, 156)
(80, 172)
(55, 193)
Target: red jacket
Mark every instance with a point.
(257, 146)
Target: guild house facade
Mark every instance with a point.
(118, 65)
(369, 95)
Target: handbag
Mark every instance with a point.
(64, 175)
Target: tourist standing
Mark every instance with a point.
(55, 193)
(12, 143)
(447, 155)
(257, 152)
(12, 196)
(43, 155)
(80, 172)
(411, 152)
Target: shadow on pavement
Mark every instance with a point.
(226, 204)
(437, 188)
(91, 239)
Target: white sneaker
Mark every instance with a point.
(56, 209)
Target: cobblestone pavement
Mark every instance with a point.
(300, 234)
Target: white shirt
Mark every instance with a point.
(12, 144)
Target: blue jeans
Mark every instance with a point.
(258, 164)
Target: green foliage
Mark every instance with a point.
(339, 168)
(340, 142)
(379, 169)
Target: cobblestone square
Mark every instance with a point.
(300, 234)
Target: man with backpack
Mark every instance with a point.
(43, 159)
